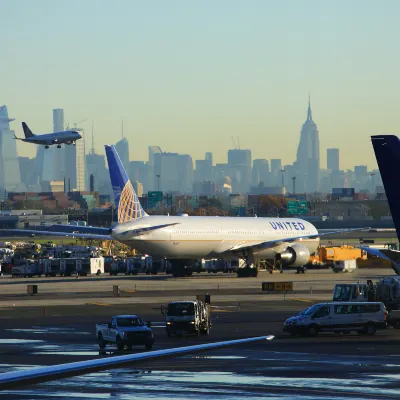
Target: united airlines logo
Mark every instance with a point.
(289, 226)
(129, 207)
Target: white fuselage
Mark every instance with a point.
(204, 237)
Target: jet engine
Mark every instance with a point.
(296, 255)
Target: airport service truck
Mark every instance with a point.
(125, 330)
(187, 317)
(386, 291)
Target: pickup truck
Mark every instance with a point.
(125, 330)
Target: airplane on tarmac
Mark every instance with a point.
(48, 139)
(184, 239)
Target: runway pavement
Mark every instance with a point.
(329, 366)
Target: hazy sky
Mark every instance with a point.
(189, 75)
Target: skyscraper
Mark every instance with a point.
(332, 157)
(307, 161)
(54, 159)
(260, 172)
(276, 166)
(122, 147)
(10, 178)
(152, 179)
(75, 168)
(239, 162)
(58, 154)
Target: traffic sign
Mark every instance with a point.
(297, 207)
(277, 286)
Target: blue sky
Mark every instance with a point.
(189, 75)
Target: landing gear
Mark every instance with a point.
(301, 270)
(59, 146)
(250, 269)
(74, 144)
(46, 147)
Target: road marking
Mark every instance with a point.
(98, 304)
(298, 299)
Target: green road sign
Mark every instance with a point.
(297, 207)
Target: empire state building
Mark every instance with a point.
(307, 163)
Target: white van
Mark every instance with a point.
(338, 317)
(345, 266)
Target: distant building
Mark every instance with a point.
(260, 172)
(332, 159)
(239, 162)
(10, 178)
(75, 168)
(152, 179)
(276, 166)
(58, 154)
(122, 148)
(209, 157)
(204, 170)
(204, 188)
(308, 156)
(27, 168)
(138, 188)
(175, 172)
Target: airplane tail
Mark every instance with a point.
(126, 201)
(387, 153)
(28, 133)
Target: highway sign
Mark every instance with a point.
(297, 207)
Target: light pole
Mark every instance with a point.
(283, 178)
(294, 185)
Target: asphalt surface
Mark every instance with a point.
(328, 366)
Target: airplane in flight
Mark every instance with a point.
(16, 379)
(48, 139)
(185, 239)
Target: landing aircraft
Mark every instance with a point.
(184, 239)
(48, 139)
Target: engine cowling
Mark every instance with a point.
(296, 255)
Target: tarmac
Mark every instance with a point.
(58, 326)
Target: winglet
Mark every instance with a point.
(126, 201)
(28, 133)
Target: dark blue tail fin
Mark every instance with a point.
(126, 201)
(387, 153)
(28, 133)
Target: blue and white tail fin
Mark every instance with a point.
(387, 153)
(126, 201)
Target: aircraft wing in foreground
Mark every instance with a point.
(42, 374)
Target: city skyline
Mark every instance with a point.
(185, 76)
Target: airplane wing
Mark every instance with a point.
(258, 246)
(42, 374)
(34, 232)
(391, 255)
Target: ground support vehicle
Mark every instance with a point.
(183, 317)
(344, 266)
(339, 317)
(90, 266)
(118, 266)
(26, 270)
(125, 330)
